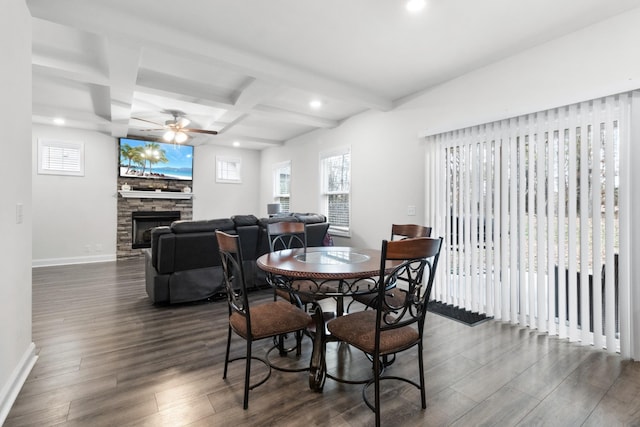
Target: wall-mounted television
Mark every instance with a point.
(141, 158)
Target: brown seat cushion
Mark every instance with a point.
(270, 319)
(394, 298)
(359, 330)
(308, 287)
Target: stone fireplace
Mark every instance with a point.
(142, 222)
(151, 202)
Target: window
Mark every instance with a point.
(282, 185)
(228, 170)
(60, 157)
(335, 167)
(530, 207)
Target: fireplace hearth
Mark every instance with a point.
(142, 222)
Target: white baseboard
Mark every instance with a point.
(11, 389)
(49, 262)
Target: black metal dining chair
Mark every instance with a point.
(409, 231)
(252, 323)
(392, 328)
(395, 295)
(289, 235)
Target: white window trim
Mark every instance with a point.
(46, 144)
(276, 182)
(220, 162)
(335, 230)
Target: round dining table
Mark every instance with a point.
(327, 271)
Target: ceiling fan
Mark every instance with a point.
(176, 129)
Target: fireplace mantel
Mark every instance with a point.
(152, 194)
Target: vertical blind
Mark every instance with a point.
(530, 211)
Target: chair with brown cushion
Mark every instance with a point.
(409, 231)
(289, 235)
(391, 328)
(398, 232)
(256, 322)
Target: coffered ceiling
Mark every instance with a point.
(249, 68)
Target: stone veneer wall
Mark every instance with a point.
(128, 205)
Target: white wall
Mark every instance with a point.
(599, 60)
(216, 200)
(388, 158)
(84, 209)
(75, 217)
(387, 173)
(17, 351)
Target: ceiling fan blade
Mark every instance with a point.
(210, 132)
(150, 130)
(148, 121)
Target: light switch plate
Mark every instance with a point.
(19, 208)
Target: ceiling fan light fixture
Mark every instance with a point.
(183, 122)
(180, 137)
(169, 135)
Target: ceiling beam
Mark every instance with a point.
(277, 73)
(293, 117)
(55, 68)
(254, 92)
(139, 31)
(169, 84)
(79, 119)
(124, 60)
(250, 95)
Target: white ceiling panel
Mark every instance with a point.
(248, 68)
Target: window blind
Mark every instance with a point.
(60, 157)
(530, 211)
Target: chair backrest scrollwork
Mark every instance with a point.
(232, 267)
(286, 235)
(418, 261)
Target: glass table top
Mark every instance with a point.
(332, 257)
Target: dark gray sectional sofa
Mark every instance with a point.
(183, 263)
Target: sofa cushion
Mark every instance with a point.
(316, 233)
(201, 226)
(264, 221)
(244, 220)
(155, 235)
(185, 254)
(310, 218)
(195, 250)
(249, 235)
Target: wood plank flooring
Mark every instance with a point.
(107, 356)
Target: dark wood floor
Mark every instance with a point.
(107, 356)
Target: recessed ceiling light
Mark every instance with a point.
(58, 121)
(315, 104)
(236, 144)
(416, 5)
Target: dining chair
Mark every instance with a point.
(409, 231)
(398, 232)
(289, 235)
(392, 328)
(252, 323)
